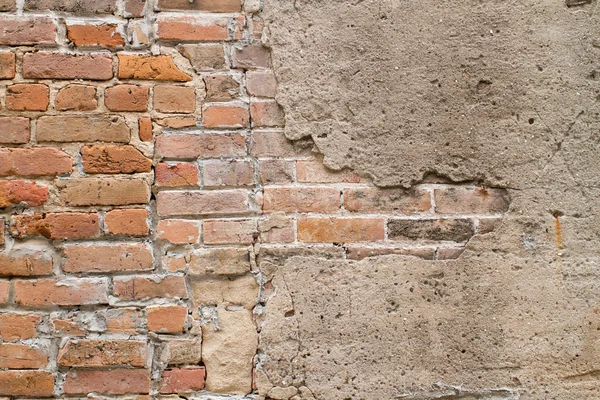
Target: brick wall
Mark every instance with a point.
(147, 191)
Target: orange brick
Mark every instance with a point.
(20, 356)
(177, 122)
(182, 380)
(46, 65)
(174, 203)
(225, 116)
(471, 201)
(131, 222)
(82, 128)
(4, 287)
(174, 99)
(34, 162)
(140, 288)
(7, 65)
(194, 146)
(166, 319)
(201, 5)
(316, 172)
(228, 173)
(127, 98)
(26, 383)
(19, 31)
(92, 191)
(99, 258)
(403, 201)
(69, 326)
(15, 327)
(101, 353)
(107, 382)
(302, 199)
(192, 29)
(17, 192)
(340, 230)
(229, 231)
(27, 97)
(14, 130)
(162, 68)
(95, 35)
(145, 129)
(100, 159)
(57, 225)
(266, 114)
(176, 174)
(31, 263)
(122, 320)
(61, 292)
(179, 231)
(76, 98)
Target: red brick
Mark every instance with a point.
(174, 99)
(76, 98)
(20, 356)
(225, 116)
(17, 192)
(82, 128)
(134, 8)
(176, 174)
(340, 230)
(27, 97)
(221, 87)
(127, 98)
(316, 172)
(457, 230)
(122, 320)
(4, 287)
(145, 129)
(360, 253)
(471, 201)
(15, 327)
(95, 35)
(106, 159)
(131, 222)
(229, 231)
(108, 382)
(45, 65)
(14, 130)
(251, 57)
(19, 31)
(166, 319)
(162, 68)
(275, 144)
(261, 83)
(201, 5)
(302, 199)
(105, 191)
(228, 173)
(179, 231)
(220, 261)
(34, 162)
(83, 258)
(202, 202)
(72, 7)
(61, 292)
(140, 288)
(26, 383)
(202, 145)
(387, 200)
(177, 122)
(102, 353)
(276, 228)
(30, 263)
(7, 65)
(266, 114)
(192, 29)
(57, 225)
(276, 172)
(182, 380)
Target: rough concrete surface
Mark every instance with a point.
(505, 93)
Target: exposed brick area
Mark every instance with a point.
(147, 190)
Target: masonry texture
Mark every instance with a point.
(166, 234)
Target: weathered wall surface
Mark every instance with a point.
(500, 92)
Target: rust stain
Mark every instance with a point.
(557, 228)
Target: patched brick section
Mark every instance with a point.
(204, 57)
(471, 201)
(220, 261)
(457, 230)
(402, 201)
(230, 231)
(101, 353)
(228, 173)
